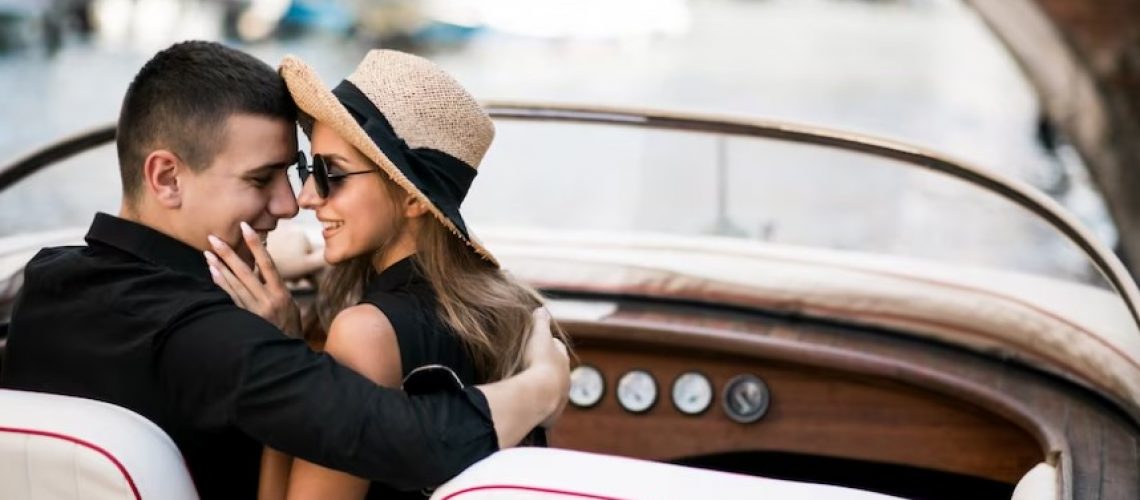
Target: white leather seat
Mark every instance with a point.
(547, 473)
(1040, 483)
(63, 448)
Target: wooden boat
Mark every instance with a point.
(870, 371)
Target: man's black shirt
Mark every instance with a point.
(133, 319)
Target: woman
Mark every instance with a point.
(395, 148)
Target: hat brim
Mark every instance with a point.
(315, 100)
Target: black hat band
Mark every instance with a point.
(442, 178)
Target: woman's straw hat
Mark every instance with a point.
(410, 118)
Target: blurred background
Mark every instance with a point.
(941, 74)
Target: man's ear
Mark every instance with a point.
(414, 207)
(161, 171)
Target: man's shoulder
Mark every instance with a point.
(50, 256)
(51, 264)
(66, 260)
(116, 280)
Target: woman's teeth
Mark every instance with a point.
(331, 225)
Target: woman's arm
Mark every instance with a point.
(361, 338)
(274, 474)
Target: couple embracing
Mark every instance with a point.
(175, 310)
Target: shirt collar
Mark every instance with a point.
(148, 244)
(395, 276)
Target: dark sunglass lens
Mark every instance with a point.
(302, 168)
(321, 175)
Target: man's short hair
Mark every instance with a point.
(181, 98)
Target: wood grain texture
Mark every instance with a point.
(813, 411)
(849, 392)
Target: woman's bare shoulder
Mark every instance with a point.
(362, 338)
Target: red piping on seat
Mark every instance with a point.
(528, 488)
(122, 470)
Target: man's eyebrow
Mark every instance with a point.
(272, 166)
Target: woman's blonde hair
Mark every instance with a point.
(489, 310)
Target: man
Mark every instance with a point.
(205, 136)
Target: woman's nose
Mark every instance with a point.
(308, 197)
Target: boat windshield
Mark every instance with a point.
(610, 174)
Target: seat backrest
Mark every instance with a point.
(548, 473)
(1040, 483)
(62, 448)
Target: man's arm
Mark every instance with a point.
(519, 403)
(225, 366)
(537, 395)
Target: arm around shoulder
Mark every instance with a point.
(305, 404)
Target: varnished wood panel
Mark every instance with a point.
(1094, 445)
(812, 411)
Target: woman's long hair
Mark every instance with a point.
(485, 307)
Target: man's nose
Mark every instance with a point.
(282, 203)
(308, 197)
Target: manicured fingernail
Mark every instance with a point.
(246, 229)
(210, 258)
(217, 243)
(215, 273)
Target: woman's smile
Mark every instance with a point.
(330, 228)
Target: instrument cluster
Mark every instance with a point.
(745, 398)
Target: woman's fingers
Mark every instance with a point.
(261, 258)
(270, 299)
(238, 268)
(221, 282)
(228, 282)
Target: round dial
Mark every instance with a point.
(692, 393)
(637, 391)
(586, 386)
(746, 398)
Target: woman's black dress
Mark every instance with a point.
(405, 296)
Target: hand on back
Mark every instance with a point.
(545, 352)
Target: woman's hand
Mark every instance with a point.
(264, 295)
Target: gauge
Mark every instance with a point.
(746, 398)
(692, 393)
(586, 386)
(637, 391)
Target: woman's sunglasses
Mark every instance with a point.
(320, 172)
